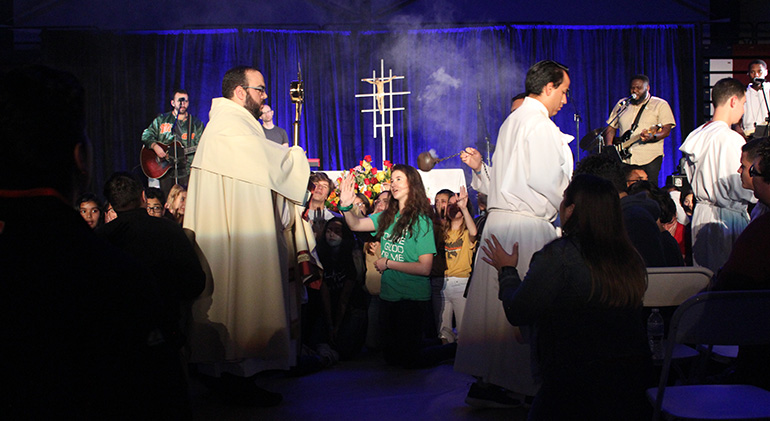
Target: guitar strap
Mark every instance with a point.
(189, 129)
(638, 116)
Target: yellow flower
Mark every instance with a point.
(380, 176)
(377, 188)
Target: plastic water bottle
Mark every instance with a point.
(655, 331)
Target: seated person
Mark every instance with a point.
(639, 212)
(666, 221)
(634, 173)
(583, 296)
(156, 202)
(316, 212)
(177, 197)
(88, 206)
(344, 301)
(77, 312)
(748, 155)
(158, 243)
(361, 204)
(747, 268)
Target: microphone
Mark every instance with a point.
(759, 80)
(478, 98)
(625, 100)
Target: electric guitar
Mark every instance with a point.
(624, 143)
(155, 167)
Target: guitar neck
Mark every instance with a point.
(636, 138)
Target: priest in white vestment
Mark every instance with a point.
(531, 167)
(240, 184)
(713, 152)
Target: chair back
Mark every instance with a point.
(717, 318)
(671, 286)
(723, 318)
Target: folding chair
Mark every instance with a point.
(715, 318)
(670, 287)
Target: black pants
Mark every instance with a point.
(401, 326)
(653, 170)
(597, 390)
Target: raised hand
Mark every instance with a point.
(347, 190)
(462, 198)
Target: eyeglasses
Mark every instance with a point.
(754, 173)
(154, 209)
(260, 89)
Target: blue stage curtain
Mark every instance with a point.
(461, 81)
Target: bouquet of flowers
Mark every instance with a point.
(368, 180)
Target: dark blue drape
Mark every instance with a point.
(461, 81)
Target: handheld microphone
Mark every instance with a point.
(759, 80)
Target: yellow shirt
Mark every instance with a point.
(459, 254)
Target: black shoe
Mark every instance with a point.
(490, 396)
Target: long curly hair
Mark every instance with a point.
(417, 205)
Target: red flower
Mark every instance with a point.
(366, 181)
(356, 185)
(361, 163)
(368, 158)
(374, 171)
(368, 194)
(373, 180)
(388, 164)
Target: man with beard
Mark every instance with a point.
(754, 121)
(645, 120)
(176, 125)
(240, 188)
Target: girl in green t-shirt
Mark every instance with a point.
(405, 230)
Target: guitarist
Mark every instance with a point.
(177, 125)
(647, 119)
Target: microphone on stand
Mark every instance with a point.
(758, 81)
(625, 100)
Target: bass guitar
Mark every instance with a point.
(625, 142)
(156, 167)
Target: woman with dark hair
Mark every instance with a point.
(405, 230)
(583, 296)
(88, 207)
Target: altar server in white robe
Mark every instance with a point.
(713, 151)
(239, 184)
(531, 167)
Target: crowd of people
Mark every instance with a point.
(539, 297)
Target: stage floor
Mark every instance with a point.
(362, 389)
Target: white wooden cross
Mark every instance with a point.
(379, 108)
